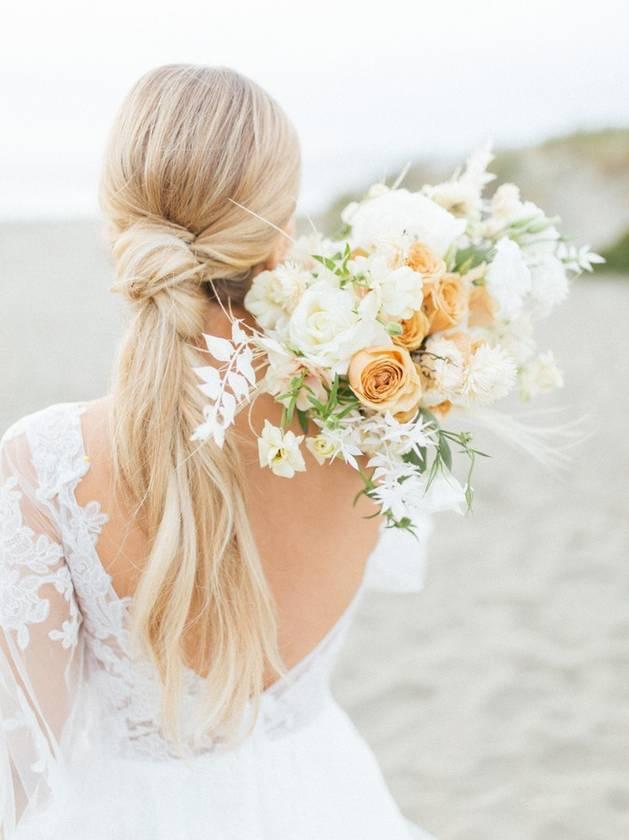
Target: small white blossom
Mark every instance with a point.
(549, 283)
(322, 447)
(280, 451)
(341, 440)
(508, 279)
(462, 194)
(398, 289)
(515, 337)
(540, 376)
(383, 431)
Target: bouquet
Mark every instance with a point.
(380, 342)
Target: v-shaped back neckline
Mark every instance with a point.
(125, 601)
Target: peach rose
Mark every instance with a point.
(442, 408)
(420, 258)
(414, 331)
(446, 301)
(385, 379)
(483, 307)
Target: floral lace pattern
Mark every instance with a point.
(33, 561)
(124, 685)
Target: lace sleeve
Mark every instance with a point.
(40, 653)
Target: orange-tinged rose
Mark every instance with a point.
(446, 301)
(414, 331)
(483, 307)
(442, 408)
(386, 379)
(420, 258)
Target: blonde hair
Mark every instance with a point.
(191, 148)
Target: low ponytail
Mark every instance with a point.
(187, 140)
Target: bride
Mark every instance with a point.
(170, 611)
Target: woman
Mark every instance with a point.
(170, 611)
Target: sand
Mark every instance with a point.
(497, 700)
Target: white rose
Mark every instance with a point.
(328, 328)
(539, 376)
(274, 294)
(399, 212)
(549, 283)
(508, 279)
(280, 451)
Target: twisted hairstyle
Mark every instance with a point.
(192, 146)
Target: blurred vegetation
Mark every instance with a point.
(581, 177)
(617, 256)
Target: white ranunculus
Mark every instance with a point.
(328, 328)
(539, 376)
(274, 294)
(549, 283)
(508, 279)
(490, 376)
(280, 451)
(396, 213)
(321, 447)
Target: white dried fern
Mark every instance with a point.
(227, 388)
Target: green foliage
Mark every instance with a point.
(617, 256)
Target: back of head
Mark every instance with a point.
(201, 170)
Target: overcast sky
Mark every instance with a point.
(369, 85)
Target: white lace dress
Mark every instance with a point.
(81, 753)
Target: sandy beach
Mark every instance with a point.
(497, 700)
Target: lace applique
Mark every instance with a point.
(20, 601)
(125, 685)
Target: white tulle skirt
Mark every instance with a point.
(320, 782)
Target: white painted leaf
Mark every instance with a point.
(211, 390)
(202, 432)
(239, 336)
(238, 384)
(243, 365)
(220, 348)
(228, 409)
(218, 433)
(208, 374)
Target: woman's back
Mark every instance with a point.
(313, 540)
(98, 757)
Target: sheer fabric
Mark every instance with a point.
(82, 754)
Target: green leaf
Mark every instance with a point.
(302, 416)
